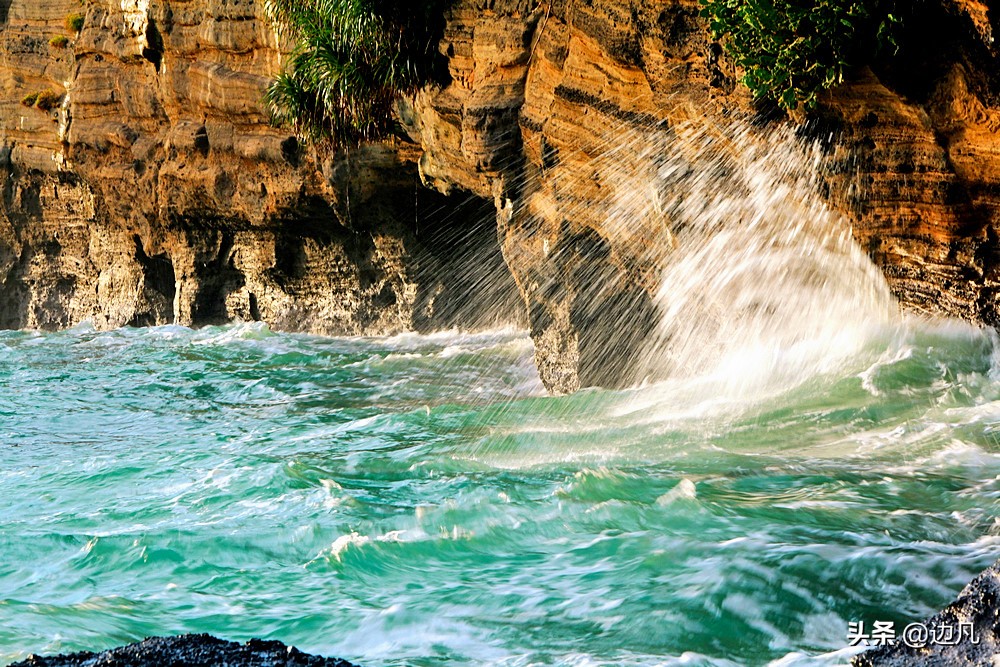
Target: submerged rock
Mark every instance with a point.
(190, 651)
(977, 609)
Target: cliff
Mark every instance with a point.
(151, 189)
(154, 190)
(551, 110)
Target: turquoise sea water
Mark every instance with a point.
(420, 501)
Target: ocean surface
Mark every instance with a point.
(419, 500)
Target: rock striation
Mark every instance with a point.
(190, 651)
(547, 112)
(551, 104)
(919, 143)
(150, 188)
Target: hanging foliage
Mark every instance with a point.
(791, 50)
(352, 59)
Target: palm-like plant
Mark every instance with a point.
(352, 59)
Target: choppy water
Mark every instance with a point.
(419, 501)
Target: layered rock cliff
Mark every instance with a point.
(919, 152)
(551, 109)
(154, 190)
(149, 187)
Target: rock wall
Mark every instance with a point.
(154, 190)
(551, 107)
(547, 113)
(150, 188)
(920, 143)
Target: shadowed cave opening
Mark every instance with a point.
(218, 277)
(470, 284)
(159, 287)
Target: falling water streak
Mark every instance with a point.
(766, 286)
(762, 287)
(763, 283)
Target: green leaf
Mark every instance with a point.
(808, 42)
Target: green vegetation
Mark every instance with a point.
(791, 50)
(59, 42)
(352, 60)
(47, 100)
(74, 22)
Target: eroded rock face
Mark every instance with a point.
(551, 106)
(155, 191)
(191, 651)
(547, 112)
(920, 140)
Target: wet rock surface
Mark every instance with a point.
(190, 651)
(551, 106)
(978, 607)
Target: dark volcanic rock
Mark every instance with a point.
(978, 604)
(190, 651)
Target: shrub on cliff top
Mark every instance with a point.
(352, 59)
(790, 50)
(59, 42)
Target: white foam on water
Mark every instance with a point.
(685, 490)
(838, 658)
(231, 333)
(341, 544)
(477, 340)
(890, 357)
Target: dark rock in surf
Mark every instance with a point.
(979, 605)
(190, 651)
